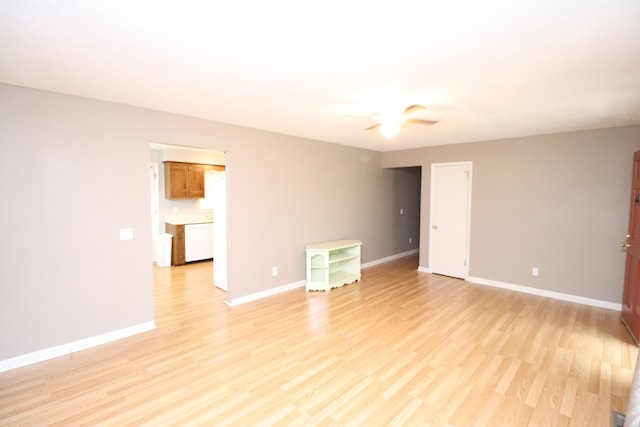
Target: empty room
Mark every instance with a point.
(417, 213)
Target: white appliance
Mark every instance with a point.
(220, 229)
(198, 241)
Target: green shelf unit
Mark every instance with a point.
(332, 264)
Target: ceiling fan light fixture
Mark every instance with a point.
(389, 128)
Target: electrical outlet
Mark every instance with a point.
(410, 240)
(535, 271)
(274, 271)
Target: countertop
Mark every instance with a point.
(188, 219)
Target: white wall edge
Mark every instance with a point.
(263, 294)
(270, 292)
(65, 349)
(544, 293)
(424, 269)
(389, 258)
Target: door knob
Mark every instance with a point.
(435, 227)
(625, 245)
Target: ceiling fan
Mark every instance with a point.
(389, 127)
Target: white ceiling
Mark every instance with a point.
(487, 69)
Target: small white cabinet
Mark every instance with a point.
(332, 264)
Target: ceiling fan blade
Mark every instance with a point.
(373, 126)
(413, 108)
(421, 122)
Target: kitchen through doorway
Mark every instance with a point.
(189, 211)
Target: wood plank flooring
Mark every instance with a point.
(398, 348)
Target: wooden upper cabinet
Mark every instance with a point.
(196, 181)
(176, 178)
(184, 180)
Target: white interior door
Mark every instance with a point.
(450, 218)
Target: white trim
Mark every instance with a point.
(263, 294)
(389, 258)
(65, 349)
(422, 269)
(270, 292)
(155, 209)
(549, 294)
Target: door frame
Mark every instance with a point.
(158, 189)
(631, 288)
(434, 166)
(155, 209)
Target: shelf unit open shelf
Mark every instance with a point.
(332, 264)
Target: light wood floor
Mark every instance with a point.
(398, 348)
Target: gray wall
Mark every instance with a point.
(75, 171)
(71, 177)
(558, 202)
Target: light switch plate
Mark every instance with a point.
(126, 234)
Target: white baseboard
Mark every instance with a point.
(269, 292)
(389, 258)
(65, 349)
(477, 280)
(544, 293)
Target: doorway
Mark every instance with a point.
(194, 207)
(450, 214)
